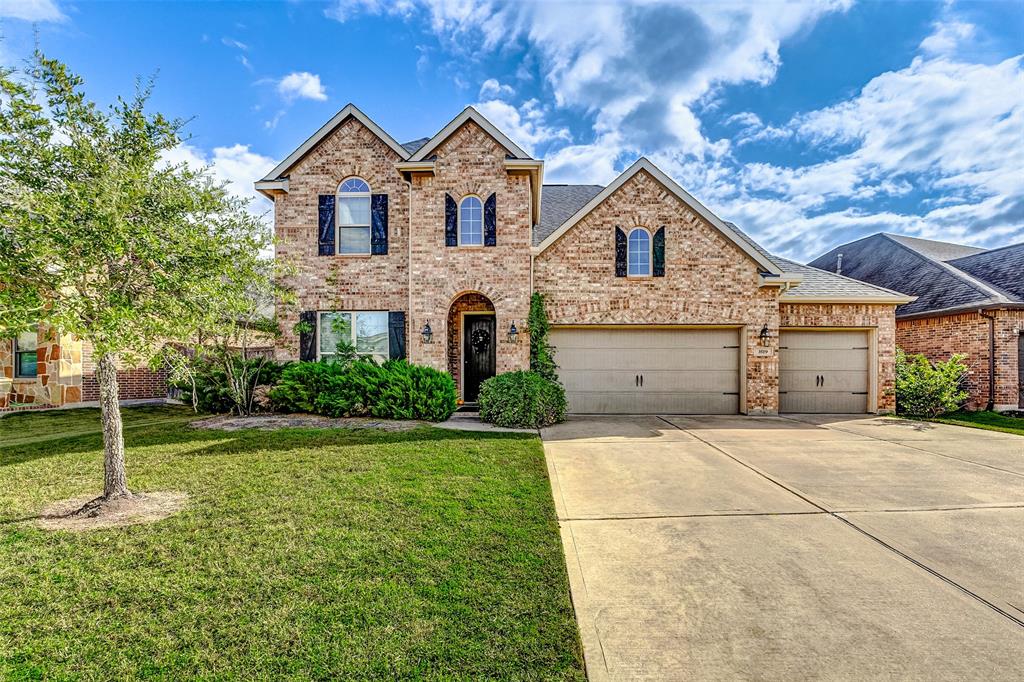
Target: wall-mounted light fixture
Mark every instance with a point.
(428, 333)
(513, 333)
(765, 336)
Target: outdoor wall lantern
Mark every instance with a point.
(765, 336)
(513, 333)
(428, 333)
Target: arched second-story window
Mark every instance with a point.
(639, 253)
(353, 217)
(471, 222)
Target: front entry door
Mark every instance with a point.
(478, 354)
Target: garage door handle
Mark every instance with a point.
(641, 381)
(636, 379)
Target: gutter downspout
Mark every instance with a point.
(991, 358)
(408, 272)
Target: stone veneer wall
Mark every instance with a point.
(937, 338)
(880, 317)
(469, 162)
(59, 377)
(708, 279)
(340, 282)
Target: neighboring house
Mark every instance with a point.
(430, 251)
(969, 300)
(42, 369)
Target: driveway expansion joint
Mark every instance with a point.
(851, 524)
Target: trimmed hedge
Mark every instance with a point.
(521, 400)
(362, 388)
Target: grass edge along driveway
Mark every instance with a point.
(302, 553)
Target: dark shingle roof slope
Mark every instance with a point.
(1001, 268)
(936, 250)
(915, 267)
(818, 284)
(558, 203)
(413, 146)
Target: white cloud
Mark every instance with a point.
(237, 166)
(524, 127)
(947, 37)
(301, 85)
(491, 88)
(31, 10)
(237, 44)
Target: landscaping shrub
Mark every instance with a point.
(925, 389)
(360, 388)
(521, 400)
(214, 391)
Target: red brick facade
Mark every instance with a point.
(937, 338)
(709, 280)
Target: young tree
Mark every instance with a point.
(100, 237)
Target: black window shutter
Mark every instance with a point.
(658, 267)
(451, 237)
(396, 334)
(379, 224)
(491, 221)
(620, 252)
(307, 337)
(325, 239)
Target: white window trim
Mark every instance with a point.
(338, 227)
(650, 253)
(353, 313)
(458, 226)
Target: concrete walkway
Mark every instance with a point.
(792, 548)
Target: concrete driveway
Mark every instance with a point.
(792, 548)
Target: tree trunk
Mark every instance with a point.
(115, 481)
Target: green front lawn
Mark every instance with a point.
(301, 553)
(991, 421)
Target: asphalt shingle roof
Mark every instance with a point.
(558, 203)
(1001, 268)
(940, 251)
(414, 146)
(923, 268)
(818, 283)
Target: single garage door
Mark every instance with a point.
(824, 371)
(638, 370)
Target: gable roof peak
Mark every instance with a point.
(469, 114)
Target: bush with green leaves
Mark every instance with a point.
(216, 393)
(521, 400)
(362, 388)
(926, 389)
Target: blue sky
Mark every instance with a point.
(808, 124)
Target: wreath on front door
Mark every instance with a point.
(480, 339)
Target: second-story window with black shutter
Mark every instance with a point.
(354, 221)
(379, 224)
(491, 220)
(451, 221)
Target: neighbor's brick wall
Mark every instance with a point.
(340, 282)
(880, 317)
(59, 372)
(469, 162)
(134, 382)
(708, 279)
(937, 338)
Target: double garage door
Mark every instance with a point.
(649, 370)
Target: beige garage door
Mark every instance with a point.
(824, 371)
(638, 370)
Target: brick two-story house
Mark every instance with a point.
(430, 251)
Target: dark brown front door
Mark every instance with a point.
(478, 346)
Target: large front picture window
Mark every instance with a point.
(639, 253)
(367, 332)
(25, 345)
(354, 217)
